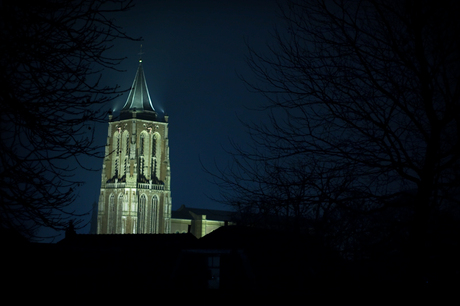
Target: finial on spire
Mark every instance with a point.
(140, 55)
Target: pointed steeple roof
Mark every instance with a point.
(139, 97)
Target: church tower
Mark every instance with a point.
(135, 186)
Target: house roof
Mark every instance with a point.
(211, 214)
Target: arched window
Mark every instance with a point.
(154, 144)
(111, 215)
(154, 214)
(125, 167)
(116, 154)
(142, 144)
(119, 212)
(133, 203)
(142, 213)
(153, 161)
(125, 202)
(124, 154)
(101, 202)
(126, 136)
(143, 151)
(155, 158)
(120, 200)
(123, 225)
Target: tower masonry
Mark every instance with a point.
(135, 192)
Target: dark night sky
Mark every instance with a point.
(193, 52)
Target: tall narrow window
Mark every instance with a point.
(123, 225)
(133, 203)
(118, 144)
(141, 155)
(126, 135)
(124, 156)
(155, 158)
(153, 175)
(154, 215)
(153, 161)
(141, 165)
(125, 166)
(115, 154)
(111, 215)
(119, 212)
(141, 144)
(154, 144)
(125, 203)
(142, 213)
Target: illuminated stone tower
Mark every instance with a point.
(135, 186)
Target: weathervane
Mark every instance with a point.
(140, 55)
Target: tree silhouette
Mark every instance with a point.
(52, 54)
(363, 102)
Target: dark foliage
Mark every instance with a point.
(51, 56)
(364, 117)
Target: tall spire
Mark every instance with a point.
(139, 97)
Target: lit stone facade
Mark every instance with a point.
(135, 192)
(199, 221)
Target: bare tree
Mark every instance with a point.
(52, 54)
(364, 102)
